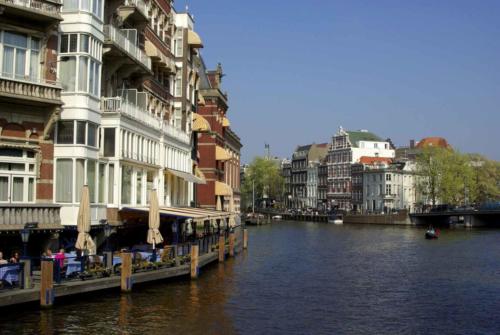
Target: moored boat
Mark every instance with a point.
(335, 218)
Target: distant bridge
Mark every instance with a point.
(468, 218)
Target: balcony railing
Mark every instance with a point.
(176, 133)
(114, 35)
(139, 4)
(17, 215)
(45, 7)
(119, 105)
(30, 89)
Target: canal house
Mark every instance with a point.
(103, 94)
(30, 103)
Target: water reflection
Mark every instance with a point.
(301, 278)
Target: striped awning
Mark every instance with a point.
(225, 122)
(221, 154)
(198, 215)
(200, 124)
(186, 176)
(223, 189)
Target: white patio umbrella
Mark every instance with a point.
(84, 241)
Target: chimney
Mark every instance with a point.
(412, 144)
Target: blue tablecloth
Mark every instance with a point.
(146, 255)
(9, 273)
(73, 265)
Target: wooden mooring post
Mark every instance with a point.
(245, 238)
(126, 272)
(231, 245)
(195, 270)
(27, 280)
(222, 248)
(47, 283)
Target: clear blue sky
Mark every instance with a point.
(297, 70)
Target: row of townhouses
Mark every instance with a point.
(357, 171)
(114, 95)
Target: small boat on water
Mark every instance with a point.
(431, 234)
(335, 218)
(277, 218)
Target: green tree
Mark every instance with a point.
(486, 178)
(445, 176)
(265, 174)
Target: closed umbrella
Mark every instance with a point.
(84, 241)
(154, 235)
(219, 204)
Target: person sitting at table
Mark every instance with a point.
(48, 254)
(15, 258)
(2, 261)
(60, 257)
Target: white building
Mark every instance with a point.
(346, 148)
(129, 77)
(389, 187)
(312, 184)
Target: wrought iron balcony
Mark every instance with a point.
(115, 37)
(121, 106)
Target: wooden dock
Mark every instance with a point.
(77, 287)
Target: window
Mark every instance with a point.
(388, 190)
(83, 74)
(111, 181)
(85, 133)
(84, 43)
(65, 132)
(70, 5)
(109, 142)
(126, 184)
(91, 176)
(102, 182)
(80, 132)
(67, 74)
(139, 188)
(388, 177)
(91, 135)
(93, 6)
(79, 178)
(85, 67)
(64, 178)
(21, 56)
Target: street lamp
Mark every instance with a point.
(25, 236)
(108, 230)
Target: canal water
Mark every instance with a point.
(306, 278)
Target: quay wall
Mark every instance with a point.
(387, 219)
